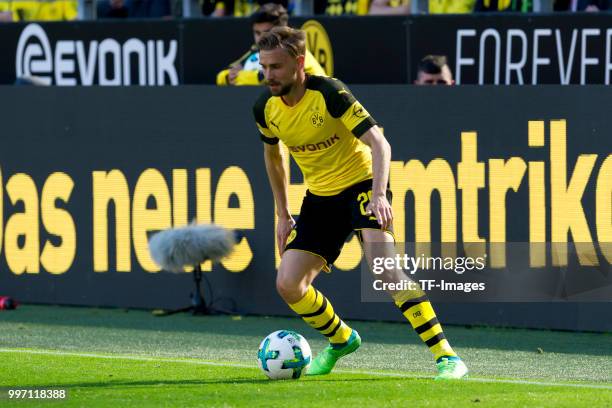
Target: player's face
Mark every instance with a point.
(280, 70)
(443, 78)
(259, 29)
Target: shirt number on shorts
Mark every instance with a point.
(364, 198)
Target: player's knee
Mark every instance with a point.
(290, 291)
(284, 287)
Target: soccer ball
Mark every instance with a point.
(284, 354)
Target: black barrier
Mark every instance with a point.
(90, 53)
(84, 183)
(361, 50)
(482, 49)
(190, 51)
(515, 49)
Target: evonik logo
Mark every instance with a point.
(312, 147)
(70, 62)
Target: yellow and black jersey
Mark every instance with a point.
(322, 133)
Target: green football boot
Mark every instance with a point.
(450, 368)
(326, 360)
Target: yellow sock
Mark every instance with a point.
(416, 308)
(318, 312)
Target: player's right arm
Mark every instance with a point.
(277, 176)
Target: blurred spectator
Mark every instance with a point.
(237, 8)
(522, 6)
(390, 7)
(451, 6)
(582, 5)
(247, 70)
(176, 8)
(111, 9)
(133, 8)
(434, 70)
(343, 7)
(50, 10)
(149, 8)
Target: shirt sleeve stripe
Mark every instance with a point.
(363, 126)
(259, 109)
(269, 140)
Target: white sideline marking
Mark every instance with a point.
(238, 365)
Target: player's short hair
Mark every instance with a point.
(271, 13)
(432, 64)
(290, 39)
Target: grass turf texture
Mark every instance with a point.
(119, 358)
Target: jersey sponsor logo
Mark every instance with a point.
(318, 43)
(313, 147)
(317, 119)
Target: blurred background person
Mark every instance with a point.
(451, 6)
(111, 9)
(238, 8)
(133, 8)
(149, 8)
(582, 5)
(49, 10)
(434, 70)
(247, 70)
(342, 7)
(520, 6)
(403, 7)
(390, 7)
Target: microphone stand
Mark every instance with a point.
(198, 305)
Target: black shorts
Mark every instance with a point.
(325, 222)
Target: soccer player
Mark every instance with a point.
(345, 161)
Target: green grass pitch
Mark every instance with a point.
(117, 358)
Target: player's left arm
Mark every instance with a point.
(379, 206)
(343, 105)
